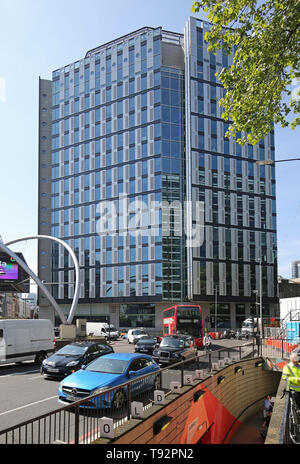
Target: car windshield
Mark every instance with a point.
(108, 366)
(72, 350)
(247, 324)
(138, 332)
(144, 340)
(172, 342)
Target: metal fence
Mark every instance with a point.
(279, 348)
(80, 421)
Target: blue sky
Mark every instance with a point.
(39, 36)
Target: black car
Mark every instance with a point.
(175, 348)
(71, 357)
(146, 345)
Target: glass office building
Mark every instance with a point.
(131, 142)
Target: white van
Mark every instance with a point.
(248, 327)
(25, 340)
(102, 329)
(135, 334)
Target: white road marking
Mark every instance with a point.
(19, 373)
(27, 405)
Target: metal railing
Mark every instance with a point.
(80, 421)
(276, 347)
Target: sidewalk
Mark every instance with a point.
(249, 433)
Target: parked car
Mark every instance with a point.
(135, 334)
(71, 357)
(106, 372)
(175, 348)
(146, 344)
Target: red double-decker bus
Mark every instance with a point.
(184, 319)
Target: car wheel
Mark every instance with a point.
(40, 358)
(118, 400)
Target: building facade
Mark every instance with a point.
(295, 267)
(136, 175)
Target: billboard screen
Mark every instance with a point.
(9, 270)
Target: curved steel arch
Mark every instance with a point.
(41, 285)
(36, 279)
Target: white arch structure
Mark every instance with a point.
(38, 281)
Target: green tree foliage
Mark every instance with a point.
(265, 39)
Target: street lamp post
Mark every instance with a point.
(216, 307)
(268, 163)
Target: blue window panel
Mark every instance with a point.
(120, 90)
(166, 165)
(157, 96)
(166, 148)
(251, 169)
(176, 166)
(175, 132)
(144, 253)
(144, 134)
(214, 144)
(226, 147)
(132, 153)
(174, 98)
(156, 47)
(144, 83)
(157, 112)
(157, 165)
(144, 150)
(165, 114)
(166, 132)
(165, 97)
(132, 255)
(131, 137)
(132, 170)
(108, 143)
(226, 165)
(144, 184)
(158, 253)
(157, 147)
(131, 120)
(132, 188)
(175, 115)
(201, 142)
(157, 79)
(120, 139)
(175, 149)
(144, 116)
(108, 175)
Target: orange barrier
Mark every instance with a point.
(280, 344)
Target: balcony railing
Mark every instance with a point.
(79, 422)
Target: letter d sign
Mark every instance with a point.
(159, 397)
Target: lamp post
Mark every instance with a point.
(216, 307)
(268, 163)
(271, 162)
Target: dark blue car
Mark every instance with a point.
(106, 372)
